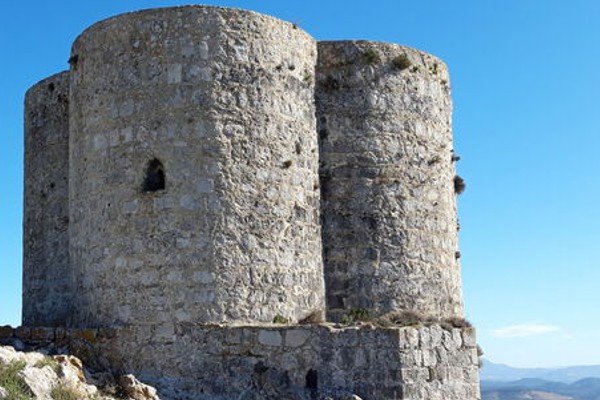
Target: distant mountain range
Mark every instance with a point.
(504, 373)
(501, 382)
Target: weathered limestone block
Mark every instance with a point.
(7, 354)
(40, 381)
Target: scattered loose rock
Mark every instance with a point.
(40, 381)
(137, 390)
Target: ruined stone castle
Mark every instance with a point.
(202, 172)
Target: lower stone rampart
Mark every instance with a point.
(216, 362)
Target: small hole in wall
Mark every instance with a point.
(329, 83)
(323, 134)
(312, 379)
(155, 176)
(73, 60)
(51, 87)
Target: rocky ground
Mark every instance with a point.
(38, 376)
(33, 375)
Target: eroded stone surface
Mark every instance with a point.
(388, 203)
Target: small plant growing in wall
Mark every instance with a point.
(371, 56)
(402, 318)
(454, 157)
(434, 68)
(280, 319)
(455, 322)
(73, 61)
(479, 356)
(459, 185)
(401, 62)
(355, 315)
(308, 77)
(315, 317)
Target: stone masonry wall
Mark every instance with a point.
(188, 361)
(182, 152)
(46, 269)
(388, 202)
(221, 99)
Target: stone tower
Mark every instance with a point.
(46, 268)
(388, 203)
(225, 114)
(205, 184)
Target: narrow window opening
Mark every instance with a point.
(312, 379)
(155, 176)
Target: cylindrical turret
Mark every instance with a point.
(46, 272)
(388, 201)
(194, 169)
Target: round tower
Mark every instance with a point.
(387, 173)
(46, 272)
(194, 169)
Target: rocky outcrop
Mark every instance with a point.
(34, 375)
(135, 389)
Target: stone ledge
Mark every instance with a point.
(372, 362)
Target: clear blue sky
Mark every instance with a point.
(526, 87)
